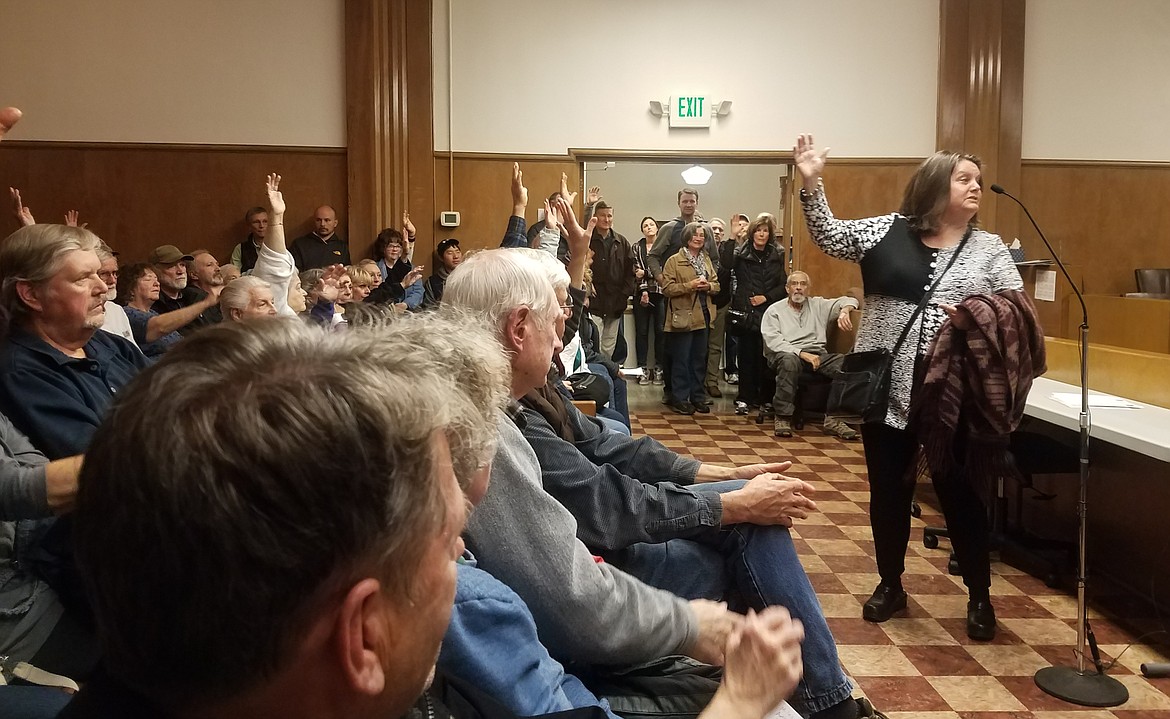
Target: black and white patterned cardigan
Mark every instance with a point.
(897, 269)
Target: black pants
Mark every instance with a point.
(890, 456)
(757, 382)
(648, 319)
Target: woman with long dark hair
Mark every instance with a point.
(760, 279)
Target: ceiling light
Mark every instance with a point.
(696, 175)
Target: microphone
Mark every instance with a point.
(998, 189)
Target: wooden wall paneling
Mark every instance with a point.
(483, 194)
(137, 197)
(855, 189)
(388, 118)
(1105, 219)
(1138, 375)
(1130, 322)
(981, 70)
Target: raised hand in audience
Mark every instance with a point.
(408, 226)
(329, 288)
(552, 217)
(276, 207)
(415, 274)
(716, 623)
(9, 116)
(578, 239)
(769, 499)
(519, 191)
(71, 217)
(23, 215)
(570, 197)
(593, 196)
(763, 666)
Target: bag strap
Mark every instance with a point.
(929, 293)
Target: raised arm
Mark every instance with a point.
(274, 240)
(843, 239)
(408, 233)
(578, 238)
(516, 234)
(23, 215)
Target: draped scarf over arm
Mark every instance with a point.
(976, 384)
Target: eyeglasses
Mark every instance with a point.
(106, 276)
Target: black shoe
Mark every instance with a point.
(702, 407)
(883, 603)
(981, 620)
(682, 407)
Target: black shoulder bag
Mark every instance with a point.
(861, 392)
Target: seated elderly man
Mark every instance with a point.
(795, 334)
(715, 539)
(176, 289)
(234, 568)
(524, 537)
(58, 373)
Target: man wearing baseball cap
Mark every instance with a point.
(170, 264)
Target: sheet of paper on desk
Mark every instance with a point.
(784, 711)
(1073, 399)
(1046, 287)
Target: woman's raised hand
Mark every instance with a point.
(809, 162)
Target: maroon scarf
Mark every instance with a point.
(976, 383)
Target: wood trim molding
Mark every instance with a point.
(444, 155)
(1118, 164)
(762, 157)
(981, 94)
(172, 147)
(389, 124)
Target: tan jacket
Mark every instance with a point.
(677, 276)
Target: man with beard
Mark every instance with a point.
(795, 332)
(170, 264)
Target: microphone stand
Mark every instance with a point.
(1078, 686)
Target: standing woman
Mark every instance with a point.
(902, 255)
(649, 307)
(760, 281)
(688, 281)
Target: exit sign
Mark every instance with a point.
(690, 111)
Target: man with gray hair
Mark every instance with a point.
(524, 537)
(58, 373)
(228, 578)
(795, 333)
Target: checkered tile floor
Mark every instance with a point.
(920, 665)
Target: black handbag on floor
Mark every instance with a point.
(861, 392)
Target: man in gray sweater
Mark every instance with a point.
(586, 611)
(795, 335)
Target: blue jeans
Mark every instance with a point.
(617, 392)
(688, 358)
(757, 566)
(612, 422)
(647, 319)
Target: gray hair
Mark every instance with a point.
(310, 279)
(557, 274)
(238, 295)
(34, 254)
(493, 283)
(287, 464)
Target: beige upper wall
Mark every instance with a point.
(1097, 80)
(265, 72)
(537, 77)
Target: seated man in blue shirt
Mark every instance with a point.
(58, 373)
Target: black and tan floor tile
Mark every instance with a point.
(920, 664)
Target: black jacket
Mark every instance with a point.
(758, 275)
